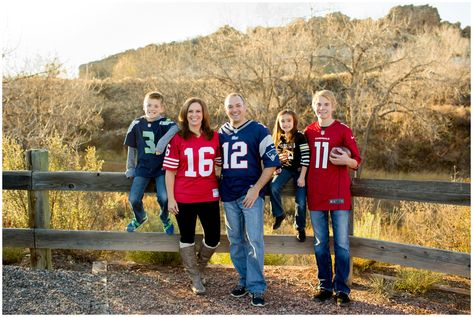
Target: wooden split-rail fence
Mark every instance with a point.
(41, 239)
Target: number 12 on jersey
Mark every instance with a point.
(239, 149)
(321, 152)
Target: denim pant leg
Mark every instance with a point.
(319, 221)
(341, 242)
(275, 186)
(162, 198)
(135, 198)
(301, 205)
(235, 226)
(254, 227)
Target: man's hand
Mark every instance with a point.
(250, 198)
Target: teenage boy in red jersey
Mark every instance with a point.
(328, 192)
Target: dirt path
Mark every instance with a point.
(147, 289)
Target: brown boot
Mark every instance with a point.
(203, 257)
(189, 261)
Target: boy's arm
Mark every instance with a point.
(131, 162)
(163, 142)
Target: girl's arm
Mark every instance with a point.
(305, 159)
(301, 179)
(170, 179)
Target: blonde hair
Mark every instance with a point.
(328, 95)
(277, 131)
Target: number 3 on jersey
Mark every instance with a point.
(321, 152)
(239, 149)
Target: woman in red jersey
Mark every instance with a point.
(192, 186)
(331, 143)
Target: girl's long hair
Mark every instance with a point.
(185, 132)
(277, 131)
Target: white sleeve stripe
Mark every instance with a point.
(263, 145)
(167, 158)
(170, 166)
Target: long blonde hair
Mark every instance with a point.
(277, 131)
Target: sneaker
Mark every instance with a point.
(278, 221)
(135, 225)
(301, 235)
(239, 291)
(168, 227)
(342, 299)
(257, 300)
(322, 295)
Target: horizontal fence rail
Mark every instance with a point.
(41, 238)
(389, 252)
(425, 191)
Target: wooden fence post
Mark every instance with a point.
(38, 208)
(353, 174)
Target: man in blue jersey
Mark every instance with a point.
(245, 145)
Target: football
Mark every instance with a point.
(340, 150)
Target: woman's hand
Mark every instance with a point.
(172, 206)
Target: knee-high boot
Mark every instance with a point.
(189, 260)
(203, 257)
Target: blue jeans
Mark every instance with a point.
(136, 197)
(245, 233)
(340, 222)
(300, 196)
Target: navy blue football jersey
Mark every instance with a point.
(244, 151)
(144, 136)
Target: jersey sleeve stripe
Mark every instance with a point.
(267, 141)
(305, 154)
(171, 160)
(170, 166)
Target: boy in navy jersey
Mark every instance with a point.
(145, 159)
(245, 144)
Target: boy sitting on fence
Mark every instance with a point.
(145, 159)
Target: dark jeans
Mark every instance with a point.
(276, 185)
(341, 242)
(209, 216)
(137, 192)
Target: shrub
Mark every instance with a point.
(381, 286)
(416, 281)
(12, 255)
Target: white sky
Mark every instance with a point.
(81, 31)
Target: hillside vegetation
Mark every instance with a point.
(403, 83)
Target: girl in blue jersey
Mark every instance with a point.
(145, 159)
(293, 151)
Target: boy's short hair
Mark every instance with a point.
(153, 95)
(327, 94)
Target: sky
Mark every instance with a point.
(80, 31)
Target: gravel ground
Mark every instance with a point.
(146, 289)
